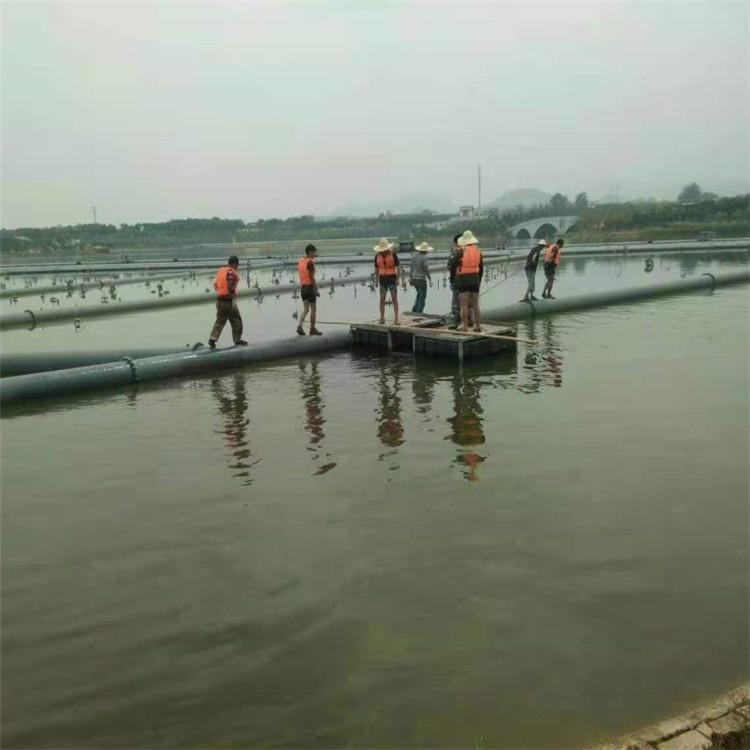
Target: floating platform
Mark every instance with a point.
(427, 335)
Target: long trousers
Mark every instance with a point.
(421, 289)
(531, 277)
(227, 310)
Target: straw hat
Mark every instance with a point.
(467, 238)
(423, 247)
(383, 245)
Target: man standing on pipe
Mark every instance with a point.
(532, 261)
(226, 283)
(551, 262)
(309, 290)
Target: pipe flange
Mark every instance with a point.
(33, 319)
(713, 280)
(197, 345)
(130, 362)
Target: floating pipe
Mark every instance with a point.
(135, 370)
(260, 262)
(23, 364)
(522, 310)
(131, 371)
(30, 319)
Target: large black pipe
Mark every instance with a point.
(522, 310)
(131, 371)
(23, 364)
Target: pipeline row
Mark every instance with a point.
(129, 370)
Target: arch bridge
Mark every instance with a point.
(543, 227)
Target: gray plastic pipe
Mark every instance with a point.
(23, 364)
(522, 310)
(30, 319)
(130, 371)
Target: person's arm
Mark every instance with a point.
(427, 270)
(311, 269)
(398, 270)
(481, 268)
(452, 266)
(233, 281)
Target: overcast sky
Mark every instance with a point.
(247, 110)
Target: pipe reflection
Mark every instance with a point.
(231, 395)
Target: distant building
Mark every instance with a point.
(466, 212)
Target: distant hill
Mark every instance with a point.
(525, 197)
(404, 204)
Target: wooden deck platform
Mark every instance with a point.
(415, 335)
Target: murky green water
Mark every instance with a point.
(352, 551)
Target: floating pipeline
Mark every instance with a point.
(31, 319)
(130, 371)
(523, 310)
(23, 364)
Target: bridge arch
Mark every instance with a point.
(523, 234)
(546, 232)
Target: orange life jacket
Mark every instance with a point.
(386, 264)
(221, 283)
(305, 277)
(470, 260)
(552, 254)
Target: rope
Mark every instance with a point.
(510, 276)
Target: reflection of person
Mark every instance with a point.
(546, 367)
(314, 419)
(466, 423)
(420, 275)
(233, 409)
(469, 272)
(532, 261)
(551, 262)
(390, 426)
(308, 290)
(386, 269)
(226, 283)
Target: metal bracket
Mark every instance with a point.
(130, 362)
(33, 319)
(713, 280)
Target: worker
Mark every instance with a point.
(309, 290)
(532, 261)
(226, 282)
(452, 265)
(386, 270)
(469, 274)
(420, 275)
(551, 262)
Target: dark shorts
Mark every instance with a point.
(308, 293)
(387, 282)
(549, 270)
(467, 283)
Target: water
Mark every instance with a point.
(538, 550)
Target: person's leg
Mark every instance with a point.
(382, 303)
(423, 298)
(222, 315)
(463, 299)
(313, 317)
(235, 320)
(475, 307)
(305, 308)
(419, 302)
(394, 299)
(455, 306)
(551, 282)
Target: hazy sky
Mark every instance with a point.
(247, 110)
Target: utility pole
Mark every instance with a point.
(479, 188)
(93, 211)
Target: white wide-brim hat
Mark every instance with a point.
(423, 247)
(383, 245)
(542, 242)
(467, 238)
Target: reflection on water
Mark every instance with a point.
(466, 423)
(309, 373)
(543, 364)
(388, 410)
(231, 395)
